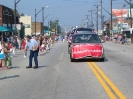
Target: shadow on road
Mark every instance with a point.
(42, 66)
(7, 77)
(15, 67)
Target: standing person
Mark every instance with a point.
(33, 47)
(24, 47)
(19, 43)
(10, 47)
(3, 55)
(63, 38)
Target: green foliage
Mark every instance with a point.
(132, 5)
(45, 27)
(21, 14)
(53, 24)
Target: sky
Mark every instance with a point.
(68, 12)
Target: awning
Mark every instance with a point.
(5, 29)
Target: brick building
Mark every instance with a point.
(39, 29)
(116, 28)
(7, 17)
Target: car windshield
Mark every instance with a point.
(86, 38)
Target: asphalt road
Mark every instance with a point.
(58, 78)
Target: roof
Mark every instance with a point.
(17, 14)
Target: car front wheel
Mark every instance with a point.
(71, 59)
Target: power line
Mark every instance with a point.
(19, 10)
(7, 3)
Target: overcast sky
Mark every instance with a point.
(69, 12)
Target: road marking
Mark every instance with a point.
(107, 84)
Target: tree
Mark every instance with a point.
(45, 27)
(132, 5)
(53, 25)
(22, 14)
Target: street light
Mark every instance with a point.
(42, 17)
(48, 15)
(15, 4)
(49, 22)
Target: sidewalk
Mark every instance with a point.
(127, 43)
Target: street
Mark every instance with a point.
(58, 78)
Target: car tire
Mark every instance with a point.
(68, 49)
(71, 59)
(101, 59)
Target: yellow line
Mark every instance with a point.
(111, 95)
(116, 90)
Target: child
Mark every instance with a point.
(42, 47)
(8, 55)
(4, 54)
(23, 47)
(10, 47)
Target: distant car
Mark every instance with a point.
(86, 46)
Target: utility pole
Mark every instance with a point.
(91, 17)
(43, 20)
(97, 17)
(130, 3)
(35, 22)
(15, 4)
(101, 17)
(131, 22)
(111, 21)
(87, 20)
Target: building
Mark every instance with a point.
(7, 20)
(39, 29)
(27, 22)
(118, 27)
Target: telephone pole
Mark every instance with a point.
(130, 3)
(15, 5)
(111, 20)
(101, 17)
(87, 20)
(91, 17)
(43, 20)
(97, 17)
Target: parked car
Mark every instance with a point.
(86, 46)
